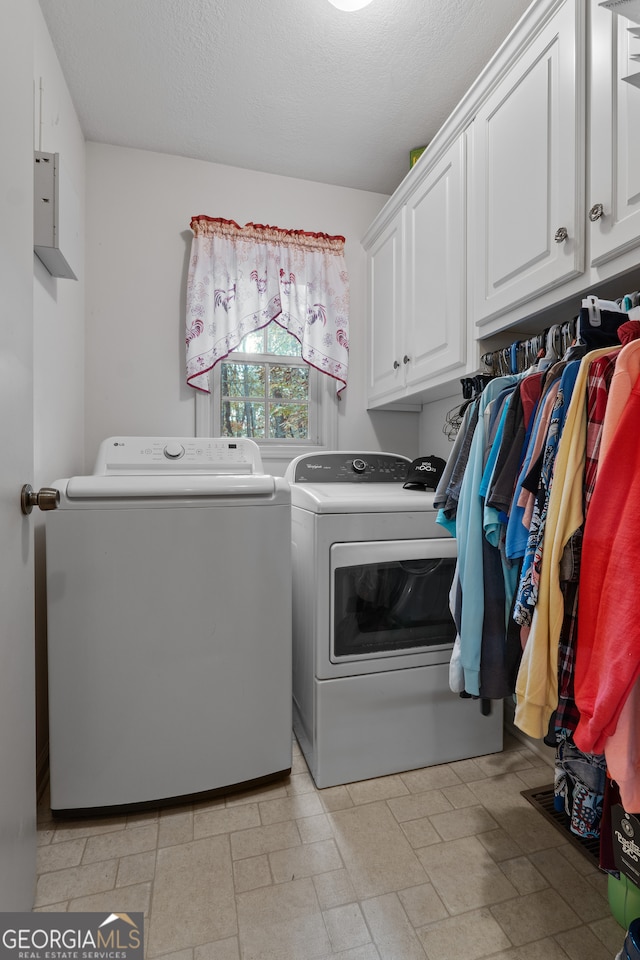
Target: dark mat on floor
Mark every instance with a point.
(542, 799)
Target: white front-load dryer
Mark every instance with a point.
(372, 629)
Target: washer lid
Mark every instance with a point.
(167, 487)
(360, 498)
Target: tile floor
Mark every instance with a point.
(442, 863)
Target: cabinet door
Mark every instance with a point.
(384, 265)
(435, 338)
(614, 137)
(527, 172)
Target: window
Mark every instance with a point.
(230, 411)
(265, 390)
(267, 314)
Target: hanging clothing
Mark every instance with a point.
(622, 748)
(517, 531)
(579, 783)
(447, 500)
(598, 381)
(625, 376)
(440, 496)
(516, 431)
(530, 571)
(469, 533)
(498, 572)
(546, 478)
(622, 751)
(599, 321)
(608, 649)
(243, 278)
(537, 683)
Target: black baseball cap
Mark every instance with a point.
(424, 473)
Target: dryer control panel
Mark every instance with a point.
(348, 467)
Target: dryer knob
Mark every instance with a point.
(359, 466)
(173, 451)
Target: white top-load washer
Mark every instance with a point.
(169, 624)
(372, 628)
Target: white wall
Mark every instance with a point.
(139, 205)
(58, 327)
(58, 304)
(433, 418)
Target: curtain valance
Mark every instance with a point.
(242, 278)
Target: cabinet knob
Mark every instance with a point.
(395, 364)
(561, 235)
(597, 211)
(406, 359)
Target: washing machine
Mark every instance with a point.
(372, 630)
(169, 625)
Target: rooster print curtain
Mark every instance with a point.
(242, 278)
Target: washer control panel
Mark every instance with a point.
(132, 455)
(344, 467)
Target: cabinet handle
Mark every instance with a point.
(561, 235)
(406, 359)
(597, 211)
(395, 364)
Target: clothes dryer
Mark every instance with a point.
(372, 630)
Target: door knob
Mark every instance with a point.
(47, 498)
(597, 211)
(395, 364)
(406, 359)
(561, 235)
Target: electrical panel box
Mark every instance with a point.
(54, 200)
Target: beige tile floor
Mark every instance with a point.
(444, 863)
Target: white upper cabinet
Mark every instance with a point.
(526, 186)
(527, 197)
(385, 270)
(613, 198)
(417, 286)
(435, 224)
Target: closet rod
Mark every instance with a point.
(551, 343)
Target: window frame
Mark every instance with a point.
(273, 360)
(323, 412)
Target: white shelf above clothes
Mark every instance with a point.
(631, 10)
(625, 8)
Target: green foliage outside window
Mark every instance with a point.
(265, 399)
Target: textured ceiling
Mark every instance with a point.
(293, 87)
